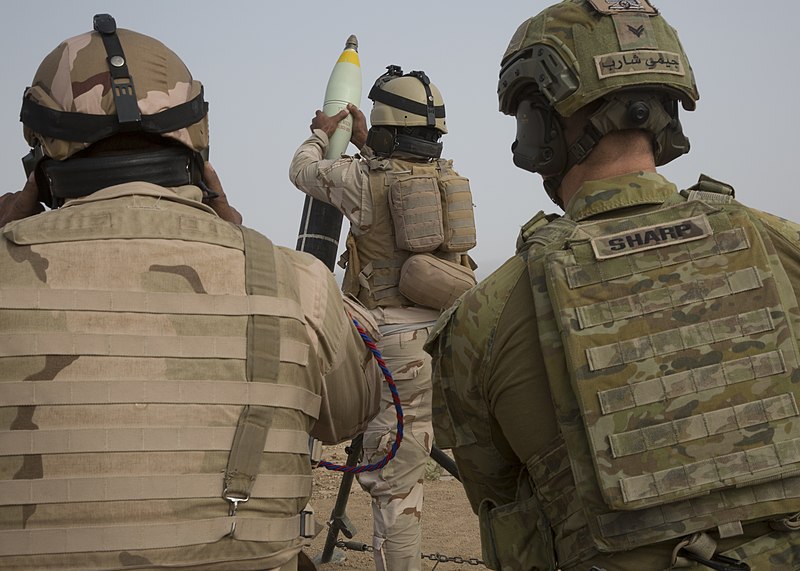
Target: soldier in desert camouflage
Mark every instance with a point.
(411, 226)
(622, 393)
(161, 367)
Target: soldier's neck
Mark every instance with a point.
(617, 153)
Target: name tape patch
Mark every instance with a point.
(638, 61)
(650, 237)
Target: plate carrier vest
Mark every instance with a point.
(418, 207)
(139, 410)
(678, 406)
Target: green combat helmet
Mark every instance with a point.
(407, 115)
(621, 54)
(104, 83)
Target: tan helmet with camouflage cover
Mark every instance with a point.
(577, 52)
(71, 102)
(409, 100)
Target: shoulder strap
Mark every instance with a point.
(263, 359)
(710, 190)
(532, 228)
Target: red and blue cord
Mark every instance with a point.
(397, 406)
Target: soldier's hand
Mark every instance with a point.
(220, 203)
(360, 129)
(18, 205)
(328, 124)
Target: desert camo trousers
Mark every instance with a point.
(396, 490)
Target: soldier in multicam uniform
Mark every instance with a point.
(411, 227)
(161, 369)
(622, 393)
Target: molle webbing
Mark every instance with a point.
(125, 488)
(677, 330)
(380, 279)
(141, 219)
(42, 393)
(149, 302)
(144, 537)
(550, 474)
(168, 439)
(178, 456)
(118, 345)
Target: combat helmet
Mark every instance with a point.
(112, 81)
(407, 114)
(620, 55)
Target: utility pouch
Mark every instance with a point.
(458, 218)
(416, 210)
(434, 282)
(515, 536)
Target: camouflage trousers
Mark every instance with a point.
(396, 490)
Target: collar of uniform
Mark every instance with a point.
(188, 194)
(633, 189)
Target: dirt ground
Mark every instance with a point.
(448, 525)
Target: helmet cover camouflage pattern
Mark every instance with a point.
(75, 78)
(578, 51)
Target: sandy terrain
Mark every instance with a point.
(448, 525)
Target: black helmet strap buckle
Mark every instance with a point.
(426, 84)
(121, 82)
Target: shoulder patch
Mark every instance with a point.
(621, 6)
(650, 237)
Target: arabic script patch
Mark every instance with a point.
(638, 61)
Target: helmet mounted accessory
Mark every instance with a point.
(622, 56)
(128, 114)
(172, 165)
(398, 136)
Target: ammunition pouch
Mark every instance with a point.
(416, 212)
(458, 217)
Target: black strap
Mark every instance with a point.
(88, 128)
(426, 83)
(717, 562)
(170, 167)
(404, 104)
(121, 81)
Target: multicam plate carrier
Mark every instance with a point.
(679, 327)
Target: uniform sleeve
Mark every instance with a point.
(18, 205)
(342, 183)
(351, 378)
(463, 358)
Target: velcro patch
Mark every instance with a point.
(635, 32)
(638, 61)
(619, 6)
(650, 237)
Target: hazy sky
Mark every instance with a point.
(265, 66)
